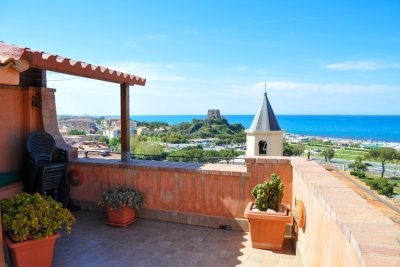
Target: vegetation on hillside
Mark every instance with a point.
(382, 185)
(293, 149)
(76, 132)
(211, 128)
(148, 145)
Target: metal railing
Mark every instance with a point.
(166, 157)
(223, 160)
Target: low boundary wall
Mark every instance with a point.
(341, 228)
(200, 194)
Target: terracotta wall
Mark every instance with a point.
(23, 110)
(8, 75)
(17, 117)
(342, 229)
(186, 191)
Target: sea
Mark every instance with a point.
(374, 128)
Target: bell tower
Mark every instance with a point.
(265, 137)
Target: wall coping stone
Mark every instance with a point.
(204, 168)
(371, 233)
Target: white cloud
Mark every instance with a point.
(361, 65)
(180, 89)
(354, 65)
(155, 72)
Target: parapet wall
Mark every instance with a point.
(342, 229)
(200, 194)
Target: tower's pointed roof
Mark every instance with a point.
(265, 119)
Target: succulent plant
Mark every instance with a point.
(117, 197)
(269, 194)
(34, 216)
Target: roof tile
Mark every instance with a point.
(46, 61)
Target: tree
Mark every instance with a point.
(328, 154)
(115, 141)
(383, 154)
(76, 132)
(358, 168)
(382, 185)
(292, 149)
(104, 139)
(148, 148)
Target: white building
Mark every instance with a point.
(115, 132)
(265, 137)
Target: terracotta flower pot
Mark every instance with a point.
(32, 253)
(121, 217)
(267, 229)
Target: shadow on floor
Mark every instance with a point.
(158, 243)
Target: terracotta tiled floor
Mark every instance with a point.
(157, 243)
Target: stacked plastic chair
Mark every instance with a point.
(46, 167)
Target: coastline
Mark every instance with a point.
(297, 138)
(362, 128)
(382, 130)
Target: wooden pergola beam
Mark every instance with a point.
(125, 123)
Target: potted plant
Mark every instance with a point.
(121, 205)
(30, 223)
(267, 215)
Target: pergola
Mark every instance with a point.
(32, 66)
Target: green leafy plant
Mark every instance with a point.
(29, 216)
(269, 194)
(382, 185)
(117, 197)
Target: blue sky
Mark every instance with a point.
(316, 57)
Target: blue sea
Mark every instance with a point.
(384, 128)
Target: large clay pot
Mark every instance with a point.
(121, 217)
(32, 253)
(267, 229)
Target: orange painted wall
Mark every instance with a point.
(321, 242)
(213, 193)
(8, 75)
(342, 229)
(17, 118)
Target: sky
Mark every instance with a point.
(311, 57)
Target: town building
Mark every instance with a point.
(84, 124)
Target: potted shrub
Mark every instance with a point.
(121, 205)
(267, 215)
(30, 223)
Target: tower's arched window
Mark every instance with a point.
(262, 147)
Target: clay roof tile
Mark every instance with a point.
(46, 61)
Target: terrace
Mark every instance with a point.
(159, 243)
(184, 202)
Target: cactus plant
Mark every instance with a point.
(269, 194)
